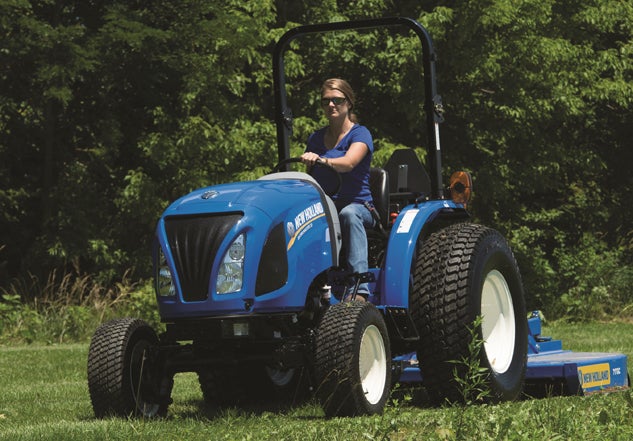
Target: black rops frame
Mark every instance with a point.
(432, 105)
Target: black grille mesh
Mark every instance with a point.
(194, 242)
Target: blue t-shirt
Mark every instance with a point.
(355, 186)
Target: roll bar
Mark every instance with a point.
(432, 105)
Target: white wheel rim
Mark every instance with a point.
(372, 364)
(498, 321)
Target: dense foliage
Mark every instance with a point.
(111, 109)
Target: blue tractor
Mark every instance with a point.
(249, 279)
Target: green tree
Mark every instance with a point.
(41, 63)
(110, 110)
(535, 90)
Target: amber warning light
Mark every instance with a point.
(461, 185)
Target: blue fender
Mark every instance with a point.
(395, 279)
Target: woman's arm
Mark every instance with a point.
(352, 158)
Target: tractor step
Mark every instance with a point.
(401, 325)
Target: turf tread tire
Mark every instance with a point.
(337, 347)
(445, 303)
(109, 385)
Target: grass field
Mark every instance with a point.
(44, 395)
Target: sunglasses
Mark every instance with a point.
(337, 100)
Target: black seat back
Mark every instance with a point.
(406, 173)
(379, 185)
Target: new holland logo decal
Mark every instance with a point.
(210, 194)
(303, 222)
(595, 375)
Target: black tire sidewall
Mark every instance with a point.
(141, 337)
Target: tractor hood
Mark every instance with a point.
(280, 232)
(272, 197)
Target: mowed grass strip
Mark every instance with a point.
(44, 395)
(42, 383)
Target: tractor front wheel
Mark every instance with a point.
(121, 377)
(352, 360)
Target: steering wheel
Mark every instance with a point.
(320, 163)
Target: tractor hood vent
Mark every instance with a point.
(194, 243)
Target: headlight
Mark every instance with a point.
(231, 273)
(164, 281)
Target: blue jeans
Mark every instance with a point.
(354, 218)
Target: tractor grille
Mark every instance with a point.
(194, 242)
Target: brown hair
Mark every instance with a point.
(343, 87)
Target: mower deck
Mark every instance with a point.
(552, 370)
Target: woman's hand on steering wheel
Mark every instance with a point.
(313, 159)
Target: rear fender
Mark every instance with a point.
(401, 248)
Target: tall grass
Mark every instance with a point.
(67, 308)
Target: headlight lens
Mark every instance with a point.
(231, 273)
(164, 281)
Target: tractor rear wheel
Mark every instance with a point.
(121, 378)
(352, 360)
(466, 274)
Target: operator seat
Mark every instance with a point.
(408, 178)
(379, 186)
(378, 235)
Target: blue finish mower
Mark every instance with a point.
(551, 370)
(249, 280)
